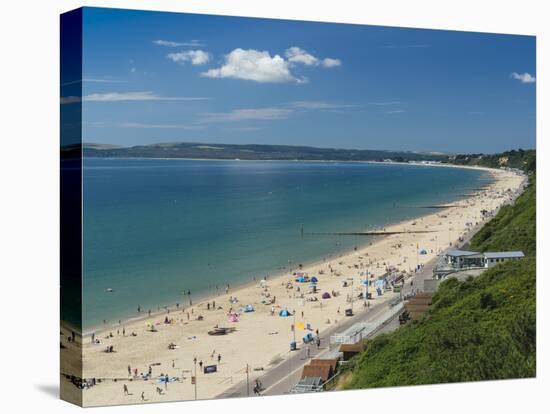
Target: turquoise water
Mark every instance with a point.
(156, 228)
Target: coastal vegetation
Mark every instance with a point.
(513, 228)
(479, 329)
(524, 160)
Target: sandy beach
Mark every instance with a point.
(261, 338)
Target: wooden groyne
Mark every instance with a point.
(368, 233)
(442, 206)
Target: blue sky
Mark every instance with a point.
(162, 77)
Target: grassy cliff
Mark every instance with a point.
(513, 228)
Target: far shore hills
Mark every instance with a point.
(517, 158)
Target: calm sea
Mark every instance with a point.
(156, 228)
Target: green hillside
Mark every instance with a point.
(481, 329)
(513, 228)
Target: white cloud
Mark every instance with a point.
(297, 55)
(254, 65)
(170, 43)
(160, 126)
(253, 114)
(318, 105)
(523, 77)
(397, 111)
(126, 96)
(94, 80)
(331, 63)
(260, 66)
(388, 103)
(196, 57)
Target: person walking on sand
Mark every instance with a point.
(200, 364)
(143, 396)
(129, 371)
(219, 358)
(125, 389)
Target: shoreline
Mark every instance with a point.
(280, 272)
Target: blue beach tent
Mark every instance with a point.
(248, 308)
(284, 313)
(314, 279)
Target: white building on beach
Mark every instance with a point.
(458, 260)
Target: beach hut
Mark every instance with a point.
(248, 308)
(284, 313)
(314, 280)
(326, 295)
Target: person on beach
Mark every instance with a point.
(200, 364)
(125, 388)
(129, 371)
(139, 308)
(219, 358)
(143, 396)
